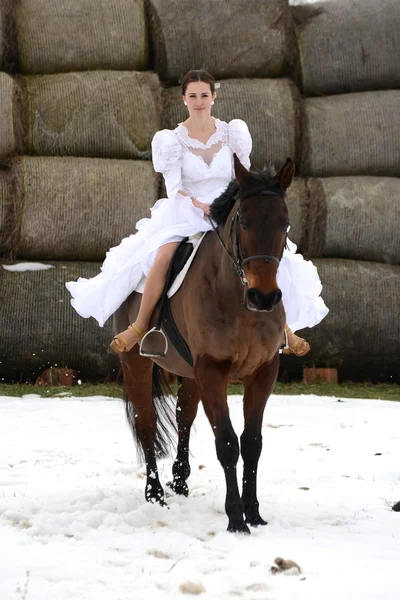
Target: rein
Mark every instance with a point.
(238, 261)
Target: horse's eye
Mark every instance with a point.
(287, 228)
(244, 225)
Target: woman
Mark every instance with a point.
(196, 162)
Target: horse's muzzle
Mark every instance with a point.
(258, 302)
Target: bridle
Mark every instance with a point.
(238, 261)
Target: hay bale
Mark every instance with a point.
(77, 208)
(352, 134)
(354, 217)
(234, 38)
(360, 335)
(297, 202)
(3, 37)
(11, 137)
(41, 329)
(8, 41)
(269, 107)
(5, 208)
(56, 37)
(100, 114)
(348, 46)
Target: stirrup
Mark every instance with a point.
(154, 344)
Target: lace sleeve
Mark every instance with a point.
(240, 141)
(166, 153)
(166, 150)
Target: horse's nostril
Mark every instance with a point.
(253, 297)
(277, 297)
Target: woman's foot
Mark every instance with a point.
(295, 344)
(124, 341)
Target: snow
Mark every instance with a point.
(74, 523)
(27, 266)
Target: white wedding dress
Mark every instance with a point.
(202, 171)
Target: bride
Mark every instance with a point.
(196, 161)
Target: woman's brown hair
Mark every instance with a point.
(197, 75)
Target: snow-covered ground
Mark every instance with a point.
(74, 523)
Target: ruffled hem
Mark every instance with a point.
(301, 288)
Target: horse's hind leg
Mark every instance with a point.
(137, 372)
(186, 410)
(257, 388)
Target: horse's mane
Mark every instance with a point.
(259, 182)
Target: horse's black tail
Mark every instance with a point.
(164, 408)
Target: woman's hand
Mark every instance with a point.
(204, 207)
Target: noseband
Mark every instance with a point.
(238, 261)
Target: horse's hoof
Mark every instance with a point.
(256, 521)
(239, 528)
(179, 487)
(155, 495)
(156, 500)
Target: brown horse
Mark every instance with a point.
(230, 313)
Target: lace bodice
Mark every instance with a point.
(200, 169)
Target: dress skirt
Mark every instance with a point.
(126, 264)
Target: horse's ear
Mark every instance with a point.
(286, 174)
(240, 171)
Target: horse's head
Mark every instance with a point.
(259, 230)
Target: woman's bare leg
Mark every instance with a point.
(154, 286)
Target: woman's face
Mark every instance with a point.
(198, 98)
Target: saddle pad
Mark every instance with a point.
(176, 284)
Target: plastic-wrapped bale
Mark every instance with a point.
(352, 134)
(41, 329)
(77, 208)
(234, 38)
(11, 124)
(361, 334)
(353, 217)
(348, 46)
(101, 114)
(5, 216)
(57, 37)
(268, 106)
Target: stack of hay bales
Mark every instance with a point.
(88, 108)
(350, 159)
(77, 124)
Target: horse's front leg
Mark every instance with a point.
(212, 380)
(137, 373)
(257, 390)
(186, 410)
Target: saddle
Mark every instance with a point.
(155, 343)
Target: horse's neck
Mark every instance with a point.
(229, 279)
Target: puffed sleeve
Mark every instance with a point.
(167, 159)
(240, 140)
